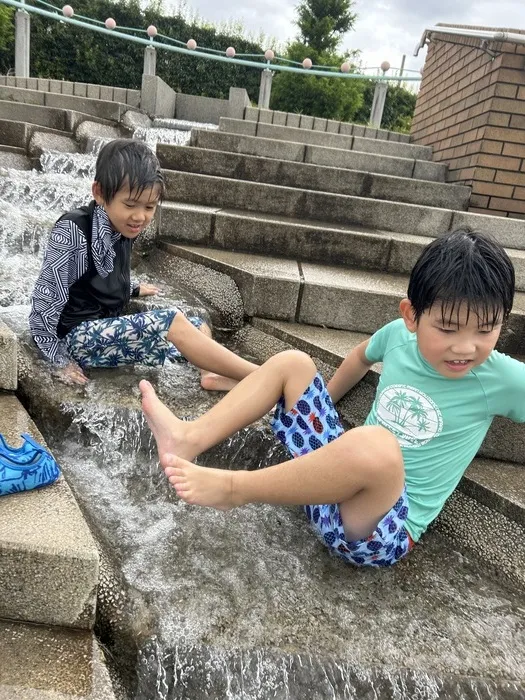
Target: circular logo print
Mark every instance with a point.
(409, 414)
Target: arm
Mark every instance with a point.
(351, 371)
(64, 262)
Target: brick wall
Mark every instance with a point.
(471, 110)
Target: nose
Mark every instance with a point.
(464, 348)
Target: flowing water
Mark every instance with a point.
(244, 605)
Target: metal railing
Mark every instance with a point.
(201, 52)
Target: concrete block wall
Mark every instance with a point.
(66, 87)
(331, 126)
(471, 110)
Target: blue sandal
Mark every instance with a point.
(24, 453)
(25, 468)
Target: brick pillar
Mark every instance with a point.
(471, 110)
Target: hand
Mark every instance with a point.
(148, 290)
(72, 374)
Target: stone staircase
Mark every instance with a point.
(311, 236)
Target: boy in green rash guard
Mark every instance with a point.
(379, 486)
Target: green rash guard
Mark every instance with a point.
(440, 423)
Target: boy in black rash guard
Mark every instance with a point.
(85, 283)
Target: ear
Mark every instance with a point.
(96, 191)
(407, 314)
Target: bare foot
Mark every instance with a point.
(171, 433)
(216, 382)
(202, 486)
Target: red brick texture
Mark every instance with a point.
(471, 110)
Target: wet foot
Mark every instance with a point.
(216, 382)
(202, 486)
(171, 434)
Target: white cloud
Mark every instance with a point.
(385, 29)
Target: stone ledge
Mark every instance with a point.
(48, 558)
(39, 663)
(8, 358)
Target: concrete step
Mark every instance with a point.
(104, 109)
(498, 485)
(320, 138)
(318, 155)
(12, 157)
(313, 177)
(305, 121)
(322, 295)
(48, 558)
(355, 246)
(42, 663)
(292, 202)
(18, 134)
(34, 114)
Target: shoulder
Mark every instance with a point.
(390, 336)
(503, 369)
(66, 234)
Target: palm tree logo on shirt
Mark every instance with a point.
(409, 414)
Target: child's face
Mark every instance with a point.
(128, 212)
(452, 343)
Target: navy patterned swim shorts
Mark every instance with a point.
(125, 340)
(312, 423)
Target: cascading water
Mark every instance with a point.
(244, 605)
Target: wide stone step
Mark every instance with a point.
(104, 109)
(292, 202)
(323, 295)
(34, 114)
(13, 157)
(311, 241)
(313, 177)
(499, 485)
(18, 134)
(318, 155)
(320, 138)
(42, 663)
(48, 558)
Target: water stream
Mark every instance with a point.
(244, 605)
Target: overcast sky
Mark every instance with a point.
(385, 29)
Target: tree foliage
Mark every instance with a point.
(7, 38)
(324, 22)
(399, 107)
(331, 98)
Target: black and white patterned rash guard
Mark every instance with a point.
(65, 261)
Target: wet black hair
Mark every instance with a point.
(463, 267)
(126, 162)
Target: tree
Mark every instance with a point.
(331, 98)
(7, 38)
(399, 107)
(324, 22)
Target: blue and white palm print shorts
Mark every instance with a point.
(125, 340)
(312, 423)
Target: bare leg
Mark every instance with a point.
(362, 471)
(211, 381)
(288, 373)
(205, 353)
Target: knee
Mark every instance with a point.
(379, 452)
(293, 359)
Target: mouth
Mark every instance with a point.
(458, 365)
(135, 228)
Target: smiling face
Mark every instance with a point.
(452, 341)
(129, 212)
